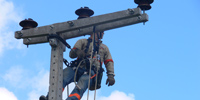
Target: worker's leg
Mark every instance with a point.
(68, 76)
(83, 84)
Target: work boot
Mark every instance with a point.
(42, 97)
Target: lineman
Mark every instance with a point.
(79, 50)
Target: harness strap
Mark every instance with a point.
(88, 44)
(66, 62)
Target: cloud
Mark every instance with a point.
(8, 14)
(33, 95)
(40, 82)
(21, 78)
(6, 95)
(10, 17)
(15, 76)
(115, 95)
(39, 85)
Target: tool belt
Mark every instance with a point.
(99, 78)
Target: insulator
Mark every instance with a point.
(84, 12)
(144, 4)
(28, 23)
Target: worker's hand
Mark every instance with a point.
(80, 53)
(110, 80)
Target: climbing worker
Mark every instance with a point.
(82, 49)
(87, 69)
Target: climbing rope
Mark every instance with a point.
(76, 73)
(96, 84)
(91, 62)
(99, 59)
(68, 90)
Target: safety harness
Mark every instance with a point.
(76, 63)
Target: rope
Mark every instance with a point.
(76, 73)
(98, 58)
(96, 84)
(91, 62)
(68, 90)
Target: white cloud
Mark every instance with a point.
(115, 95)
(8, 14)
(6, 95)
(20, 78)
(39, 84)
(16, 76)
(33, 95)
(10, 17)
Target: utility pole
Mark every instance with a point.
(56, 33)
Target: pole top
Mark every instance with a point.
(84, 12)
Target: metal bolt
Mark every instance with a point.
(131, 11)
(19, 33)
(28, 39)
(51, 31)
(80, 30)
(70, 23)
(51, 26)
(139, 18)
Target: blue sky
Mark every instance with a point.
(156, 61)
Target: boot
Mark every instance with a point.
(42, 97)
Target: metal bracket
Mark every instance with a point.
(53, 42)
(57, 37)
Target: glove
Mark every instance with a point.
(110, 80)
(80, 53)
(76, 53)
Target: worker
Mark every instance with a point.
(90, 54)
(79, 51)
